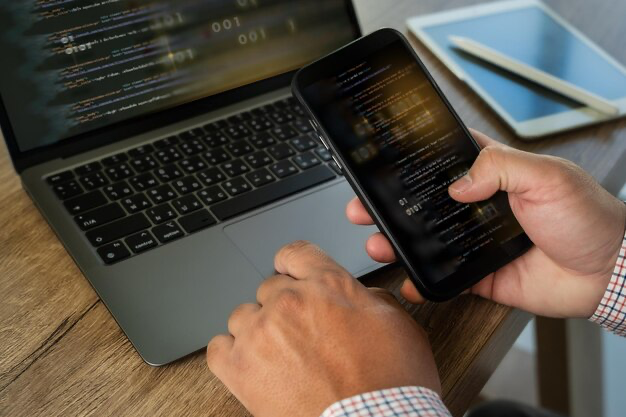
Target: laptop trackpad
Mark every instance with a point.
(319, 218)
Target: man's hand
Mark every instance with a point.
(576, 225)
(315, 337)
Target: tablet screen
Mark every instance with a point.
(535, 38)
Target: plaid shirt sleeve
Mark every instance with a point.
(394, 402)
(611, 313)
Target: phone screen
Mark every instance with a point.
(403, 146)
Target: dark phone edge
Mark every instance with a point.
(432, 292)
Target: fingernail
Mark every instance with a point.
(461, 185)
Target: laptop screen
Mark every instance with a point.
(72, 66)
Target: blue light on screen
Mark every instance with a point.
(533, 37)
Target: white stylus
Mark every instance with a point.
(534, 74)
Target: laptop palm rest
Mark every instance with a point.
(318, 217)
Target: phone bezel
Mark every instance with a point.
(353, 52)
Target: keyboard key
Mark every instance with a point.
(260, 124)
(168, 155)
(192, 147)
(237, 131)
(118, 190)
(114, 252)
(298, 110)
(136, 203)
(237, 186)
(143, 182)
(192, 134)
(239, 118)
(68, 190)
(93, 181)
(260, 177)
(168, 173)
(166, 142)
(263, 110)
(100, 216)
(144, 163)
(258, 159)
(284, 132)
(317, 138)
(306, 160)
(303, 125)
(262, 140)
(141, 151)
(85, 202)
(217, 125)
(88, 168)
(283, 169)
(281, 117)
(291, 101)
(119, 172)
(217, 156)
(303, 143)
(211, 176)
(141, 242)
(60, 177)
(212, 195)
(197, 221)
(235, 168)
(113, 160)
(161, 194)
(281, 151)
(272, 192)
(216, 139)
(161, 213)
(168, 232)
(187, 204)
(239, 148)
(187, 185)
(282, 104)
(323, 154)
(117, 229)
(193, 164)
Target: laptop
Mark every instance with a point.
(160, 141)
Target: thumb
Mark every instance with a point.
(499, 168)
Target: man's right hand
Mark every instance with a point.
(576, 225)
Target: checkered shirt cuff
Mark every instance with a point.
(611, 313)
(394, 402)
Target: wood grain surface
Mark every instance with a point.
(61, 353)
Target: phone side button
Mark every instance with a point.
(336, 166)
(324, 142)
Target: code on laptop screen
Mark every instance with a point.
(71, 66)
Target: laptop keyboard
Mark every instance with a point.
(133, 201)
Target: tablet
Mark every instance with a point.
(532, 33)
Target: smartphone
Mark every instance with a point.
(400, 145)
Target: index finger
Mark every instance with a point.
(304, 260)
(357, 214)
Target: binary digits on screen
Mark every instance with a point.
(74, 66)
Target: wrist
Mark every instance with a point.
(615, 249)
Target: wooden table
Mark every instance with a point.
(62, 354)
